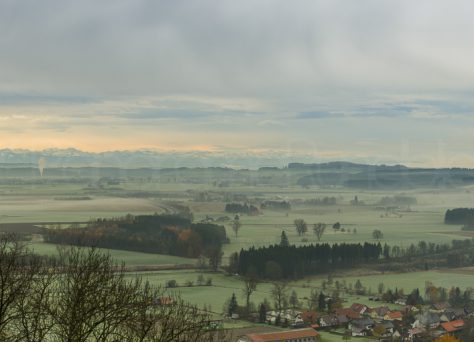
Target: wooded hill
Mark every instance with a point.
(164, 234)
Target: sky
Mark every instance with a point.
(367, 81)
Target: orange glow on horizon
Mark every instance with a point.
(97, 145)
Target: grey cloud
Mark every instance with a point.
(271, 49)
(241, 68)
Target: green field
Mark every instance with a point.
(423, 221)
(223, 285)
(127, 257)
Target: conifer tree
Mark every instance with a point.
(233, 306)
(284, 240)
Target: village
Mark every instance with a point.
(380, 323)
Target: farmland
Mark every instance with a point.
(62, 203)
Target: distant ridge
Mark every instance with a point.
(340, 165)
(153, 159)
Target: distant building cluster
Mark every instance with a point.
(408, 323)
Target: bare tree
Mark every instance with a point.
(87, 297)
(319, 229)
(159, 317)
(377, 234)
(301, 226)
(215, 257)
(93, 299)
(279, 293)
(18, 269)
(250, 285)
(35, 322)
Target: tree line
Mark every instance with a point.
(285, 261)
(279, 261)
(81, 295)
(463, 216)
(164, 234)
(276, 205)
(238, 208)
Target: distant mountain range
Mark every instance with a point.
(145, 158)
(63, 158)
(73, 164)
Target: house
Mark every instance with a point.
(343, 320)
(298, 335)
(298, 324)
(452, 314)
(328, 321)
(415, 332)
(445, 318)
(309, 316)
(393, 316)
(439, 307)
(453, 327)
(411, 308)
(290, 316)
(383, 329)
(359, 308)
(379, 312)
(359, 332)
(428, 320)
(365, 323)
(401, 301)
(396, 335)
(349, 313)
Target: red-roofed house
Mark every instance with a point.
(298, 335)
(359, 308)
(453, 326)
(309, 316)
(393, 316)
(349, 313)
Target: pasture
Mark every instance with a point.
(130, 258)
(224, 285)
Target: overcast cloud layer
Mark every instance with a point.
(378, 81)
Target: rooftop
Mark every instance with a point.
(453, 326)
(283, 335)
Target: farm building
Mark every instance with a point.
(298, 335)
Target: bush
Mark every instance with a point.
(171, 283)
